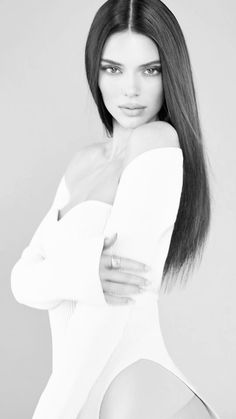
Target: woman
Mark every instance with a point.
(139, 198)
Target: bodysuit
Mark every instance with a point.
(93, 341)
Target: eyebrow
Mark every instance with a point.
(143, 65)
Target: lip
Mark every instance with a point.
(132, 106)
(133, 112)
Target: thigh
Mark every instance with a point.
(145, 389)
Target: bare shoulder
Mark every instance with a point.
(157, 134)
(83, 152)
(153, 135)
(160, 128)
(81, 159)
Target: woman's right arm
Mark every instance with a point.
(58, 264)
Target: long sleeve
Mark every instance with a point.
(146, 207)
(143, 215)
(59, 263)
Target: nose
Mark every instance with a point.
(130, 86)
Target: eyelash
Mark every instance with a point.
(158, 68)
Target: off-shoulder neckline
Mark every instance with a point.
(126, 169)
(146, 152)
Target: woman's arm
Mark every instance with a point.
(58, 264)
(147, 199)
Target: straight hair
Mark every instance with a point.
(153, 19)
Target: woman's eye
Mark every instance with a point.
(151, 69)
(109, 67)
(158, 69)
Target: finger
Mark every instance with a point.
(116, 275)
(115, 300)
(120, 289)
(127, 264)
(109, 241)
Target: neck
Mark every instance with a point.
(119, 141)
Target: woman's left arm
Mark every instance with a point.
(148, 197)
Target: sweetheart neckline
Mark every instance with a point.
(122, 174)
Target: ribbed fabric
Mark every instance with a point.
(59, 271)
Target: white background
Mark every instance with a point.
(47, 113)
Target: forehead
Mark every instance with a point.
(123, 46)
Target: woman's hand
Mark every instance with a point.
(117, 284)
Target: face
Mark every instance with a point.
(133, 78)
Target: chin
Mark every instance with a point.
(130, 121)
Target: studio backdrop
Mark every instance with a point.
(47, 114)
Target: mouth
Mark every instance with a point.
(132, 107)
(132, 111)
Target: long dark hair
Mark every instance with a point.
(154, 20)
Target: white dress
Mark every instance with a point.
(92, 340)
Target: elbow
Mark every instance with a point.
(19, 287)
(16, 285)
(27, 295)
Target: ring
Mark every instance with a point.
(115, 262)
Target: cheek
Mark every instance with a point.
(108, 89)
(156, 93)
